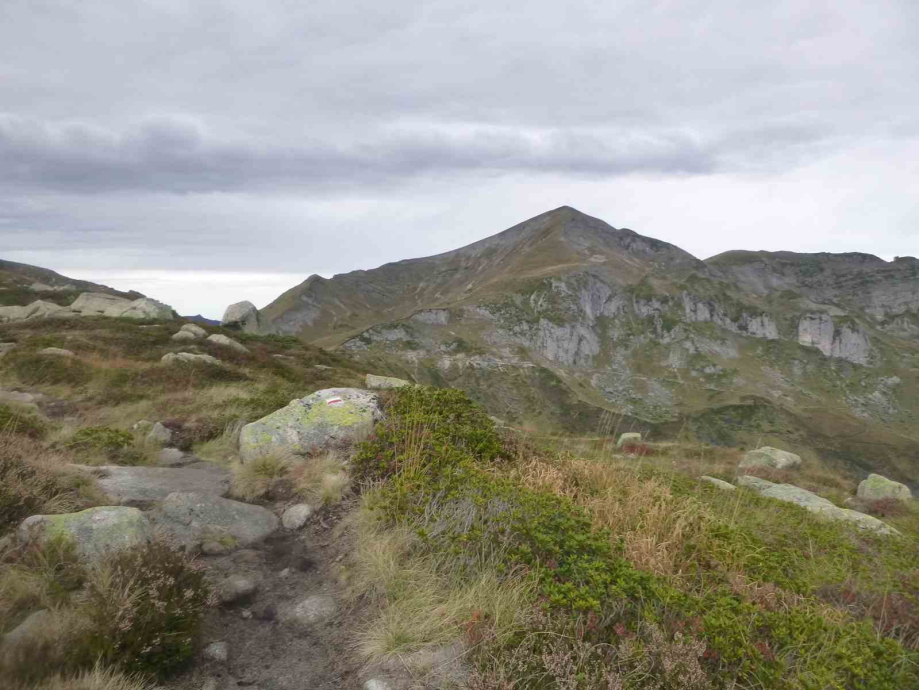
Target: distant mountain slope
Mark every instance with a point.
(563, 322)
(22, 284)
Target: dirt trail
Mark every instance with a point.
(266, 650)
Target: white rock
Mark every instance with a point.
(217, 651)
(770, 457)
(146, 308)
(224, 341)
(296, 516)
(385, 382)
(99, 304)
(56, 352)
(242, 316)
(377, 684)
(159, 435)
(142, 425)
(629, 437)
(184, 337)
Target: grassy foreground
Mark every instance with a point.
(584, 570)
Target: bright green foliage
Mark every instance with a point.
(442, 459)
(102, 438)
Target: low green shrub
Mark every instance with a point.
(111, 442)
(35, 369)
(17, 421)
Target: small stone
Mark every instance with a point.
(143, 426)
(284, 573)
(56, 352)
(312, 610)
(159, 435)
(173, 457)
(265, 611)
(377, 684)
(236, 588)
(385, 382)
(217, 651)
(184, 336)
(246, 614)
(296, 516)
(214, 548)
(210, 684)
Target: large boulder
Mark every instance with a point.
(876, 487)
(94, 531)
(628, 438)
(241, 316)
(224, 341)
(327, 416)
(770, 457)
(385, 382)
(37, 310)
(141, 486)
(188, 358)
(184, 337)
(197, 520)
(195, 330)
(99, 304)
(810, 501)
(146, 308)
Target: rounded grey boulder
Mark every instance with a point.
(327, 416)
(241, 316)
(94, 531)
(770, 457)
(876, 488)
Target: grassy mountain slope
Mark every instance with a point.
(16, 280)
(562, 319)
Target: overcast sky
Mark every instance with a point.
(211, 151)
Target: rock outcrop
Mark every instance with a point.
(206, 521)
(327, 417)
(813, 503)
(224, 341)
(242, 316)
(876, 488)
(90, 304)
(847, 342)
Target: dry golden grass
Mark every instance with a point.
(254, 479)
(321, 480)
(223, 448)
(419, 601)
(98, 678)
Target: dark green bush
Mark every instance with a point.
(35, 369)
(104, 439)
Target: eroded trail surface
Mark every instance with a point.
(294, 631)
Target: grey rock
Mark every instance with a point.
(265, 611)
(377, 684)
(94, 532)
(296, 516)
(194, 329)
(217, 651)
(328, 416)
(385, 382)
(140, 486)
(236, 588)
(184, 336)
(56, 352)
(629, 437)
(173, 457)
(188, 358)
(159, 435)
(876, 487)
(194, 518)
(210, 683)
(19, 398)
(751, 482)
(146, 308)
(770, 457)
(32, 623)
(311, 610)
(720, 483)
(99, 304)
(846, 342)
(224, 341)
(241, 316)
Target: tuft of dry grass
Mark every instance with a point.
(321, 480)
(223, 448)
(420, 601)
(254, 479)
(99, 678)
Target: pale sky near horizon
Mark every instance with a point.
(209, 152)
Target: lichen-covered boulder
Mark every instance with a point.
(224, 341)
(327, 416)
(876, 487)
(770, 457)
(193, 520)
(385, 382)
(242, 316)
(94, 531)
(188, 358)
(629, 437)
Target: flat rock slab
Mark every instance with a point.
(140, 486)
(327, 416)
(194, 519)
(94, 532)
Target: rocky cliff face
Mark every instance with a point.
(563, 319)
